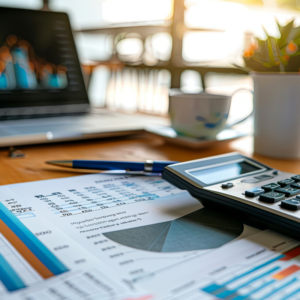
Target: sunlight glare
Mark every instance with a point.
(120, 11)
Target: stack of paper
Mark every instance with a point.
(139, 238)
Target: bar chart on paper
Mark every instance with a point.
(37, 258)
(24, 259)
(277, 278)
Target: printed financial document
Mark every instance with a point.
(102, 235)
(263, 266)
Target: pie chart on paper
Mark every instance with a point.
(199, 230)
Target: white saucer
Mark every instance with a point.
(170, 136)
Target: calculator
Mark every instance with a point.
(244, 187)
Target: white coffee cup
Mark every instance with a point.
(199, 115)
(276, 114)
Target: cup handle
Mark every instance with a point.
(244, 119)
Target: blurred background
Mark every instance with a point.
(133, 51)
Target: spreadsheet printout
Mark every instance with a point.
(132, 226)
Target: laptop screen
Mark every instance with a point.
(39, 65)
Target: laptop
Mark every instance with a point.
(42, 93)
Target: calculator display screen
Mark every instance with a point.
(223, 172)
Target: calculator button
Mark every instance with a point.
(271, 197)
(288, 191)
(254, 192)
(291, 204)
(286, 182)
(271, 186)
(296, 177)
(227, 185)
(263, 177)
(296, 185)
(251, 180)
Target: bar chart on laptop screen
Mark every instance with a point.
(24, 259)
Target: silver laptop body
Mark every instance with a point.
(42, 93)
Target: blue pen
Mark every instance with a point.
(147, 166)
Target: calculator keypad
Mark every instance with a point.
(296, 178)
(271, 197)
(254, 192)
(270, 187)
(286, 182)
(275, 192)
(291, 204)
(296, 185)
(288, 191)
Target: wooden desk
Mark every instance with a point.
(135, 148)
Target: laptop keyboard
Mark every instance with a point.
(54, 124)
(65, 126)
(23, 130)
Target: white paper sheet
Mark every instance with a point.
(89, 211)
(264, 266)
